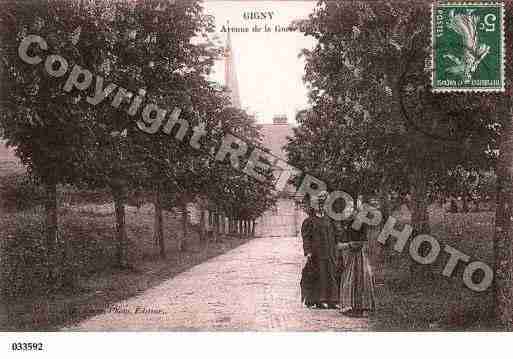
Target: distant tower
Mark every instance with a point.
(230, 73)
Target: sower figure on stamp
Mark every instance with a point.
(320, 248)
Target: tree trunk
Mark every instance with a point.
(478, 204)
(420, 220)
(453, 208)
(253, 229)
(118, 194)
(51, 225)
(419, 210)
(202, 225)
(216, 225)
(385, 203)
(386, 211)
(51, 215)
(183, 243)
(504, 231)
(158, 228)
(441, 200)
(465, 208)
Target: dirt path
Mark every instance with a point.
(253, 287)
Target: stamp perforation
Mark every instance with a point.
(502, 45)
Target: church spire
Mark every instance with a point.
(230, 73)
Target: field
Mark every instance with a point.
(431, 301)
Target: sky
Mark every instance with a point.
(268, 68)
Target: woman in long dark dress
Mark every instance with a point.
(357, 282)
(310, 273)
(320, 283)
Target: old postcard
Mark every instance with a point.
(255, 166)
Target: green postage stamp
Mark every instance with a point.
(468, 46)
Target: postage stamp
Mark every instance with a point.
(468, 47)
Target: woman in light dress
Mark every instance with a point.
(357, 281)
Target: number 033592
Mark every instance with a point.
(26, 346)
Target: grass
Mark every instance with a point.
(431, 301)
(87, 233)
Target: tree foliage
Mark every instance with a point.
(369, 80)
(369, 86)
(156, 51)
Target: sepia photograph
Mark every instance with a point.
(296, 167)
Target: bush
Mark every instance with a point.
(20, 192)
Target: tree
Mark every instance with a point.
(148, 52)
(173, 70)
(133, 45)
(48, 128)
(371, 56)
(232, 193)
(368, 81)
(503, 285)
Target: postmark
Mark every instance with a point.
(468, 47)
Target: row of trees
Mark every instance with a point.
(376, 128)
(159, 51)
